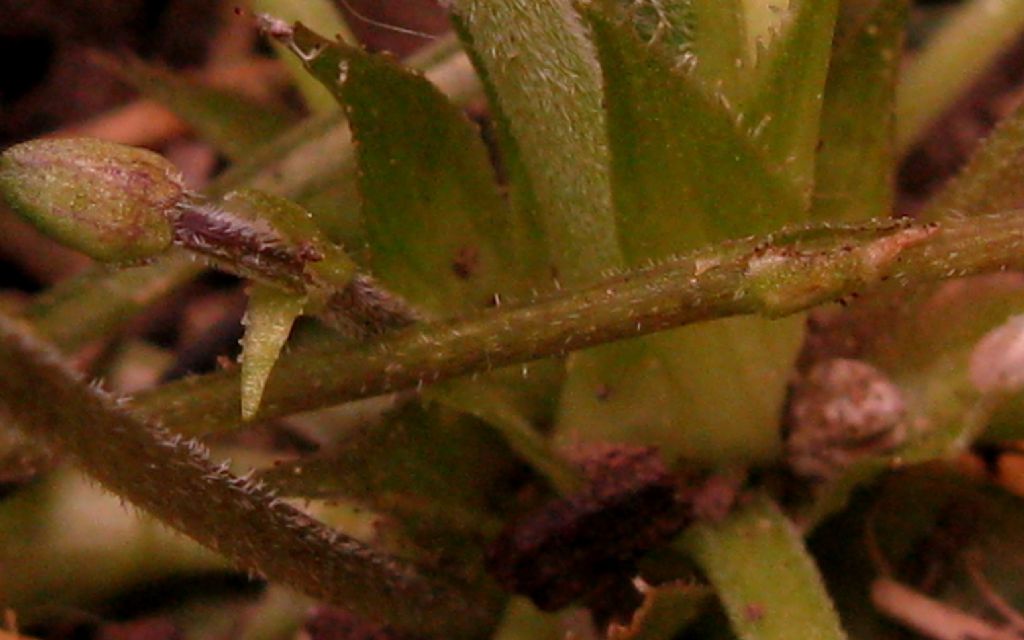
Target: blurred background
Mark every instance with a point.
(58, 79)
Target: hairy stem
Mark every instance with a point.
(175, 480)
(773, 276)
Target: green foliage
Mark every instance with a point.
(421, 465)
(768, 582)
(856, 156)
(653, 164)
(437, 229)
(683, 175)
(993, 180)
(326, 16)
(549, 94)
(784, 109)
(268, 323)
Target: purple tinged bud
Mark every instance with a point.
(112, 202)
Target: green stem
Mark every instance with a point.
(962, 48)
(176, 482)
(773, 276)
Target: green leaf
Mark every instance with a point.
(315, 163)
(426, 465)
(520, 193)
(268, 323)
(322, 15)
(438, 230)
(708, 38)
(523, 621)
(437, 477)
(684, 175)
(856, 157)
(785, 106)
(710, 393)
(766, 579)
(233, 123)
(993, 179)
(719, 44)
(764, 20)
(544, 76)
(669, 24)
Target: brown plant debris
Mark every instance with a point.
(588, 543)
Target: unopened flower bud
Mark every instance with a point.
(109, 201)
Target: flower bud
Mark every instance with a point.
(109, 201)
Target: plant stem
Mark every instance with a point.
(102, 299)
(773, 276)
(175, 480)
(962, 48)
